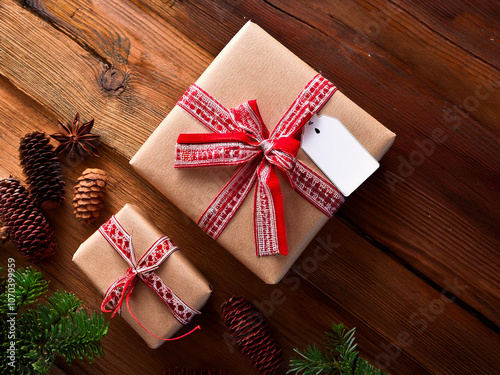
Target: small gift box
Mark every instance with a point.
(141, 273)
(258, 193)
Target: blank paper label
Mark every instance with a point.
(337, 153)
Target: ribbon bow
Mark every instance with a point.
(240, 137)
(143, 269)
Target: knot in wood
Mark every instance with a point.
(113, 80)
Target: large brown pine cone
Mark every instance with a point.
(88, 196)
(43, 170)
(187, 371)
(252, 334)
(26, 226)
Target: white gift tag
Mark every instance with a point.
(337, 153)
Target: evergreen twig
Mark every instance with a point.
(58, 326)
(29, 286)
(341, 356)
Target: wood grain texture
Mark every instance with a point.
(65, 77)
(416, 67)
(468, 24)
(448, 194)
(124, 349)
(403, 305)
(448, 68)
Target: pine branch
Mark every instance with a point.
(59, 305)
(29, 286)
(2, 280)
(58, 326)
(342, 343)
(341, 356)
(83, 333)
(363, 367)
(312, 361)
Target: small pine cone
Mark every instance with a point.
(252, 334)
(43, 171)
(88, 196)
(26, 226)
(187, 371)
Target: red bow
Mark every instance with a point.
(143, 269)
(240, 137)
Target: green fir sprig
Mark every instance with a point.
(36, 335)
(339, 357)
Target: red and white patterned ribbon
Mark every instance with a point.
(143, 269)
(240, 137)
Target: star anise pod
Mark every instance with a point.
(76, 139)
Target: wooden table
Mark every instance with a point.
(414, 262)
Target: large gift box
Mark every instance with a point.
(183, 289)
(253, 65)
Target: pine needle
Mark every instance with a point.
(339, 357)
(57, 327)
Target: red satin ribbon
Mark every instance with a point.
(240, 138)
(122, 288)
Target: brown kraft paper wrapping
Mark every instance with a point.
(253, 65)
(103, 265)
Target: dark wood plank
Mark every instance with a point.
(395, 28)
(407, 244)
(287, 304)
(471, 25)
(448, 193)
(366, 28)
(382, 221)
(353, 265)
(426, 324)
(448, 216)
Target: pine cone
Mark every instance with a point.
(88, 196)
(186, 371)
(252, 334)
(26, 225)
(43, 171)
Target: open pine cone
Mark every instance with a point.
(252, 334)
(88, 196)
(26, 226)
(43, 170)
